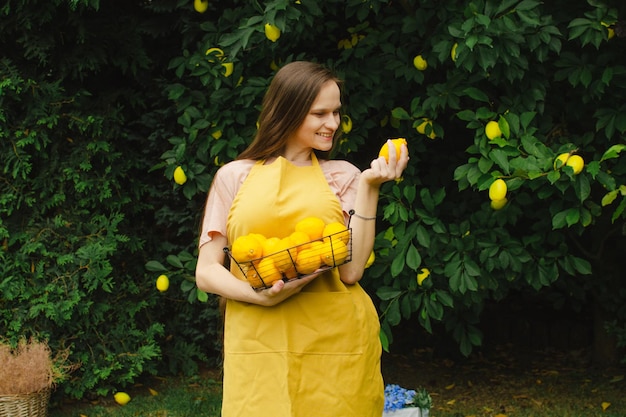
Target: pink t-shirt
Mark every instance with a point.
(342, 178)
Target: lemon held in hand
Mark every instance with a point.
(397, 143)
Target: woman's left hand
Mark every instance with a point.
(381, 171)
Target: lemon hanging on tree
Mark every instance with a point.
(420, 63)
(162, 283)
(272, 32)
(424, 124)
(576, 162)
(201, 6)
(422, 275)
(492, 130)
(561, 160)
(179, 176)
(497, 190)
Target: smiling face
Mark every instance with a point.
(319, 125)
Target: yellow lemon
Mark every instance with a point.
(283, 257)
(492, 130)
(259, 237)
(300, 240)
(397, 143)
(217, 52)
(254, 279)
(370, 260)
(420, 63)
(576, 162)
(246, 248)
(421, 128)
(422, 275)
(497, 190)
(312, 226)
(334, 253)
(228, 68)
(162, 283)
(453, 54)
(201, 6)
(308, 261)
(179, 176)
(217, 134)
(561, 160)
(272, 32)
(121, 398)
(336, 231)
(610, 30)
(269, 245)
(268, 271)
(346, 123)
(498, 204)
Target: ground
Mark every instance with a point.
(509, 382)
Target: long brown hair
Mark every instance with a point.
(285, 105)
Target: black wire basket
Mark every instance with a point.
(297, 261)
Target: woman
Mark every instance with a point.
(307, 347)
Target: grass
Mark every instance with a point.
(542, 384)
(198, 396)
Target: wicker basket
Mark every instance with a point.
(25, 405)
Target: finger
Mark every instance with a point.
(393, 156)
(276, 288)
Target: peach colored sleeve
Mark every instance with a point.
(343, 178)
(225, 186)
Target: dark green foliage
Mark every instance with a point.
(80, 209)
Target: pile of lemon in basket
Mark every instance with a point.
(313, 245)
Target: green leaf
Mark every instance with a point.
(477, 95)
(613, 152)
(609, 198)
(393, 315)
(559, 220)
(387, 293)
(202, 296)
(174, 261)
(572, 216)
(400, 113)
(423, 237)
(397, 266)
(413, 258)
(155, 266)
(384, 340)
(500, 158)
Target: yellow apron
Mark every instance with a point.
(316, 354)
